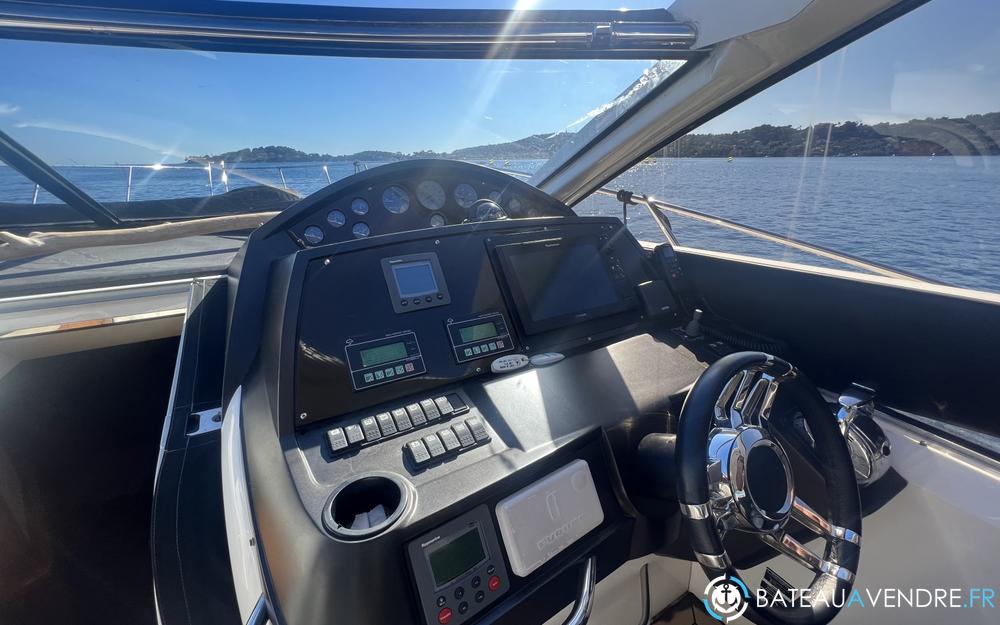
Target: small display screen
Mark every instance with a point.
(456, 556)
(478, 332)
(563, 280)
(383, 354)
(415, 279)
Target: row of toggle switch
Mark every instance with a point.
(459, 437)
(376, 428)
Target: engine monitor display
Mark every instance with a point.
(479, 337)
(478, 332)
(384, 360)
(453, 556)
(383, 354)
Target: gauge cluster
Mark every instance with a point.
(415, 195)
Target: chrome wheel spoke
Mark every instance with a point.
(748, 397)
(724, 417)
(815, 522)
(805, 556)
(736, 410)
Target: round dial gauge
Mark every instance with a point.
(431, 195)
(514, 205)
(359, 206)
(438, 220)
(396, 200)
(313, 234)
(361, 230)
(336, 218)
(465, 195)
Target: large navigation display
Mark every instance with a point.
(558, 282)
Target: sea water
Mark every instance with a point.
(938, 217)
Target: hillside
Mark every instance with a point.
(269, 154)
(973, 134)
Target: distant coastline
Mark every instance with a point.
(970, 135)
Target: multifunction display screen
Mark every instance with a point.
(415, 279)
(559, 282)
(478, 332)
(383, 354)
(453, 556)
(415, 282)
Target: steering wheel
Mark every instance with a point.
(733, 474)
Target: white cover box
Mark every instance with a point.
(540, 520)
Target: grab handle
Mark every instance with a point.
(585, 599)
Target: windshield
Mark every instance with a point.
(131, 126)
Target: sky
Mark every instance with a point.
(75, 104)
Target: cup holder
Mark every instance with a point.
(366, 506)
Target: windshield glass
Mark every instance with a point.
(129, 125)
(887, 150)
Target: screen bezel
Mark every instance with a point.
(521, 305)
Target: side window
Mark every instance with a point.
(887, 150)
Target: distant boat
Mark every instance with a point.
(729, 160)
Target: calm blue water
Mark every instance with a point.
(937, 217)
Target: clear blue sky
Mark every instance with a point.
(95, 105)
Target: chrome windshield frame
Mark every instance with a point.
(271, 28)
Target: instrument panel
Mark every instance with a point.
(415, 195)
(429, 309)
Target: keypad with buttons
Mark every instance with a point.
(464, 597)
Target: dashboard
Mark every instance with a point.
(412, 391)
(427, 194)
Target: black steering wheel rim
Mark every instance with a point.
(830, 589)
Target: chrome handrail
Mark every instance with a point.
(657, 208)
(654, 205)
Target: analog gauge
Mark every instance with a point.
(495, 196)
(431, 195)
(361, 230)
(438, 220)
(396, 200)
(514, 205)
(336, 218)
(465, 195)
(488, 210)
(359, 206)
(313, 235)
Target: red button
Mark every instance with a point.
(444, 616)
(493, 584)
